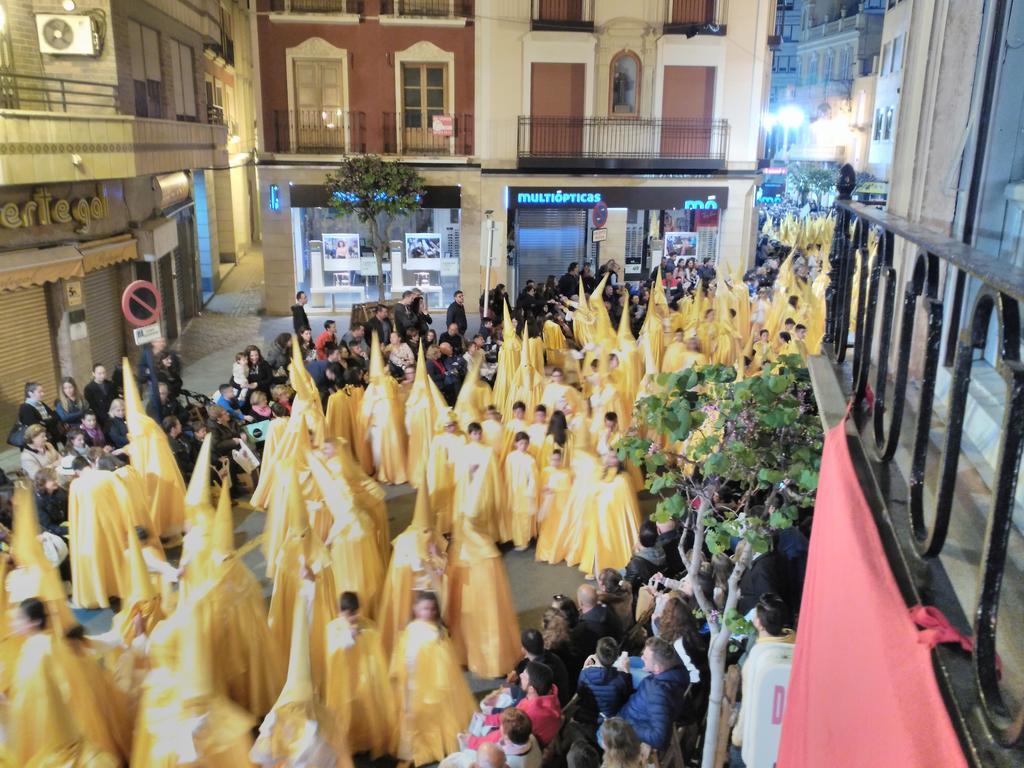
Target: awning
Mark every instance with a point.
(36, 266)
(101, 254)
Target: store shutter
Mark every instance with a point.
(27, 342)
(547, 241)
(103, 316)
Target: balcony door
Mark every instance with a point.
(424, 95)
(319, 120)
(556, 109)
(687, 107)
(560, 10)
(692, 11)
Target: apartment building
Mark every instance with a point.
(125, 136)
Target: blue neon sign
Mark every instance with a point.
(558, 198)
(275, 197)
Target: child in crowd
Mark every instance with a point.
(240, 376)
(259, 405)
(522, 489)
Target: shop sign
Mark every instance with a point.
(665, 198)
(558, 198)
(443, 125)
(146, 334)
(173, 188)
(44, 209)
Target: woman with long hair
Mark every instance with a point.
(557, 633)
(307, 345)
(678, 626)
(70, 405)
(258, 370)
(622, 747)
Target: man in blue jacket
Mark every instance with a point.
(657, 703)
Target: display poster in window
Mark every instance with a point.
(449, 267)
(680, 244)
(341, 252)
(423, 251)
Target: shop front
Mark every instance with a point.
(335, 262)
(551, 227)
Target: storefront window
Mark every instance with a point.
(338, 267)
(691, 234)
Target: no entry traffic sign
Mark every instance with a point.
(141, 303)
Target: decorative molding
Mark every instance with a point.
(319, 19)
(32, 148)
(424, 52)
(421, 21)
(314, 48)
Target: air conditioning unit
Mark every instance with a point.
(67, 34)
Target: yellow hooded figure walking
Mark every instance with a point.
(433, 700)
(299, 730)
(381, 423)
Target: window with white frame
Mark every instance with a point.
(886, 59)
(144, 52)
(183, 73)
(890, 114)
(897, 53)
(876, 133)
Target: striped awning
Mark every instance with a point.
(101, 254)
(37, 266)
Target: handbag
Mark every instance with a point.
(16, 436)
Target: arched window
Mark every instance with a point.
(827, 72)
(625, 84)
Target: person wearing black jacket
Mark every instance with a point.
(100, 393)
(51, 503)
(181, 447)
(569, 283)
(380, 324)
(225, 438)
(299, 319)
(259, 372)
(533, 650)
(596, 621)
(35, 411)
(457, 313)
(453, 337)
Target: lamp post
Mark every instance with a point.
(487, 267)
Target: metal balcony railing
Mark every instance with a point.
(578, 141)
(316, 6)
(54, 94)
(435, 9)
(410, 134)
(319, 131)
(562, 15)
(921, 312)
(695, 17)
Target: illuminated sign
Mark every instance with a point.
(678, 197)
(558, 198)
(701, 205)
(44, 209)
(275, 197)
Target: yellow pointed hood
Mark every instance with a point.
(624, 332)
(422, 516)
(508, 328)
(296, 515)
(197, 497)
(134, 412)
(25, 543)
(298, 687)
(297, 374)
(377, 369)
(140, 586)
(597, 297)
(195, 665)
(222, 537)
(524, 351)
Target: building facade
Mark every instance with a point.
(123, 124)
(521, 116)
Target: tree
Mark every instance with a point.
(812, 178)
(732, 461)
(376, 191)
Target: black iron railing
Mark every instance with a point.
(584, 138)
(914, 293)
(427, 8)
(563, 15)
(695, 17)
(317, 6)
(324, 131)
(56, 94)
(412, 134)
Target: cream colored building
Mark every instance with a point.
(126, 130)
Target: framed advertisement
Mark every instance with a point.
(680, 244)
(423, 251)
(341, 252)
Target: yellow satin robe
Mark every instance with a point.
(441, 476)
(481, 492)
(356, 688)
(554, 514)
(678, 357)
(355, 557)
(434, 703)
(417, 562)
(612, 525)
(522, 490)
(586, 471)
(382, 426)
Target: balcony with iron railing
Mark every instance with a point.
(339, 132)
(695, 17)
(562, 15)
(426, 9)
(317, 6)
(52, 94)
(622, 143)
(923, 335)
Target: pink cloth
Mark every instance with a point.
(862, 690)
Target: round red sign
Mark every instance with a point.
(141, 303)
(599, 214)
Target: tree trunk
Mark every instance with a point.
(717, 652)
(379, 249)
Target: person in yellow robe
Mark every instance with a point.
(554, 341)
(480, 611)
(352, 540)
(613, 521)
(684, 352)
(538, 429)
(761, 353)
(522, 489)
(474, 394)
(303, 558)
(42, 731)
(197, 726)
(586, 472)
(417, 564)
(423, 409)
(300, 730)
(556, 391)
(381, 422)
(515, 425)
(356, 690)
(494, 431)
(554, 516)
(441, 470)
(479, 487)
(558, 438)
(433, 701)
(367, 492)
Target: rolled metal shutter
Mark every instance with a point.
(547, 241)
(103, 316)
(27, 342)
